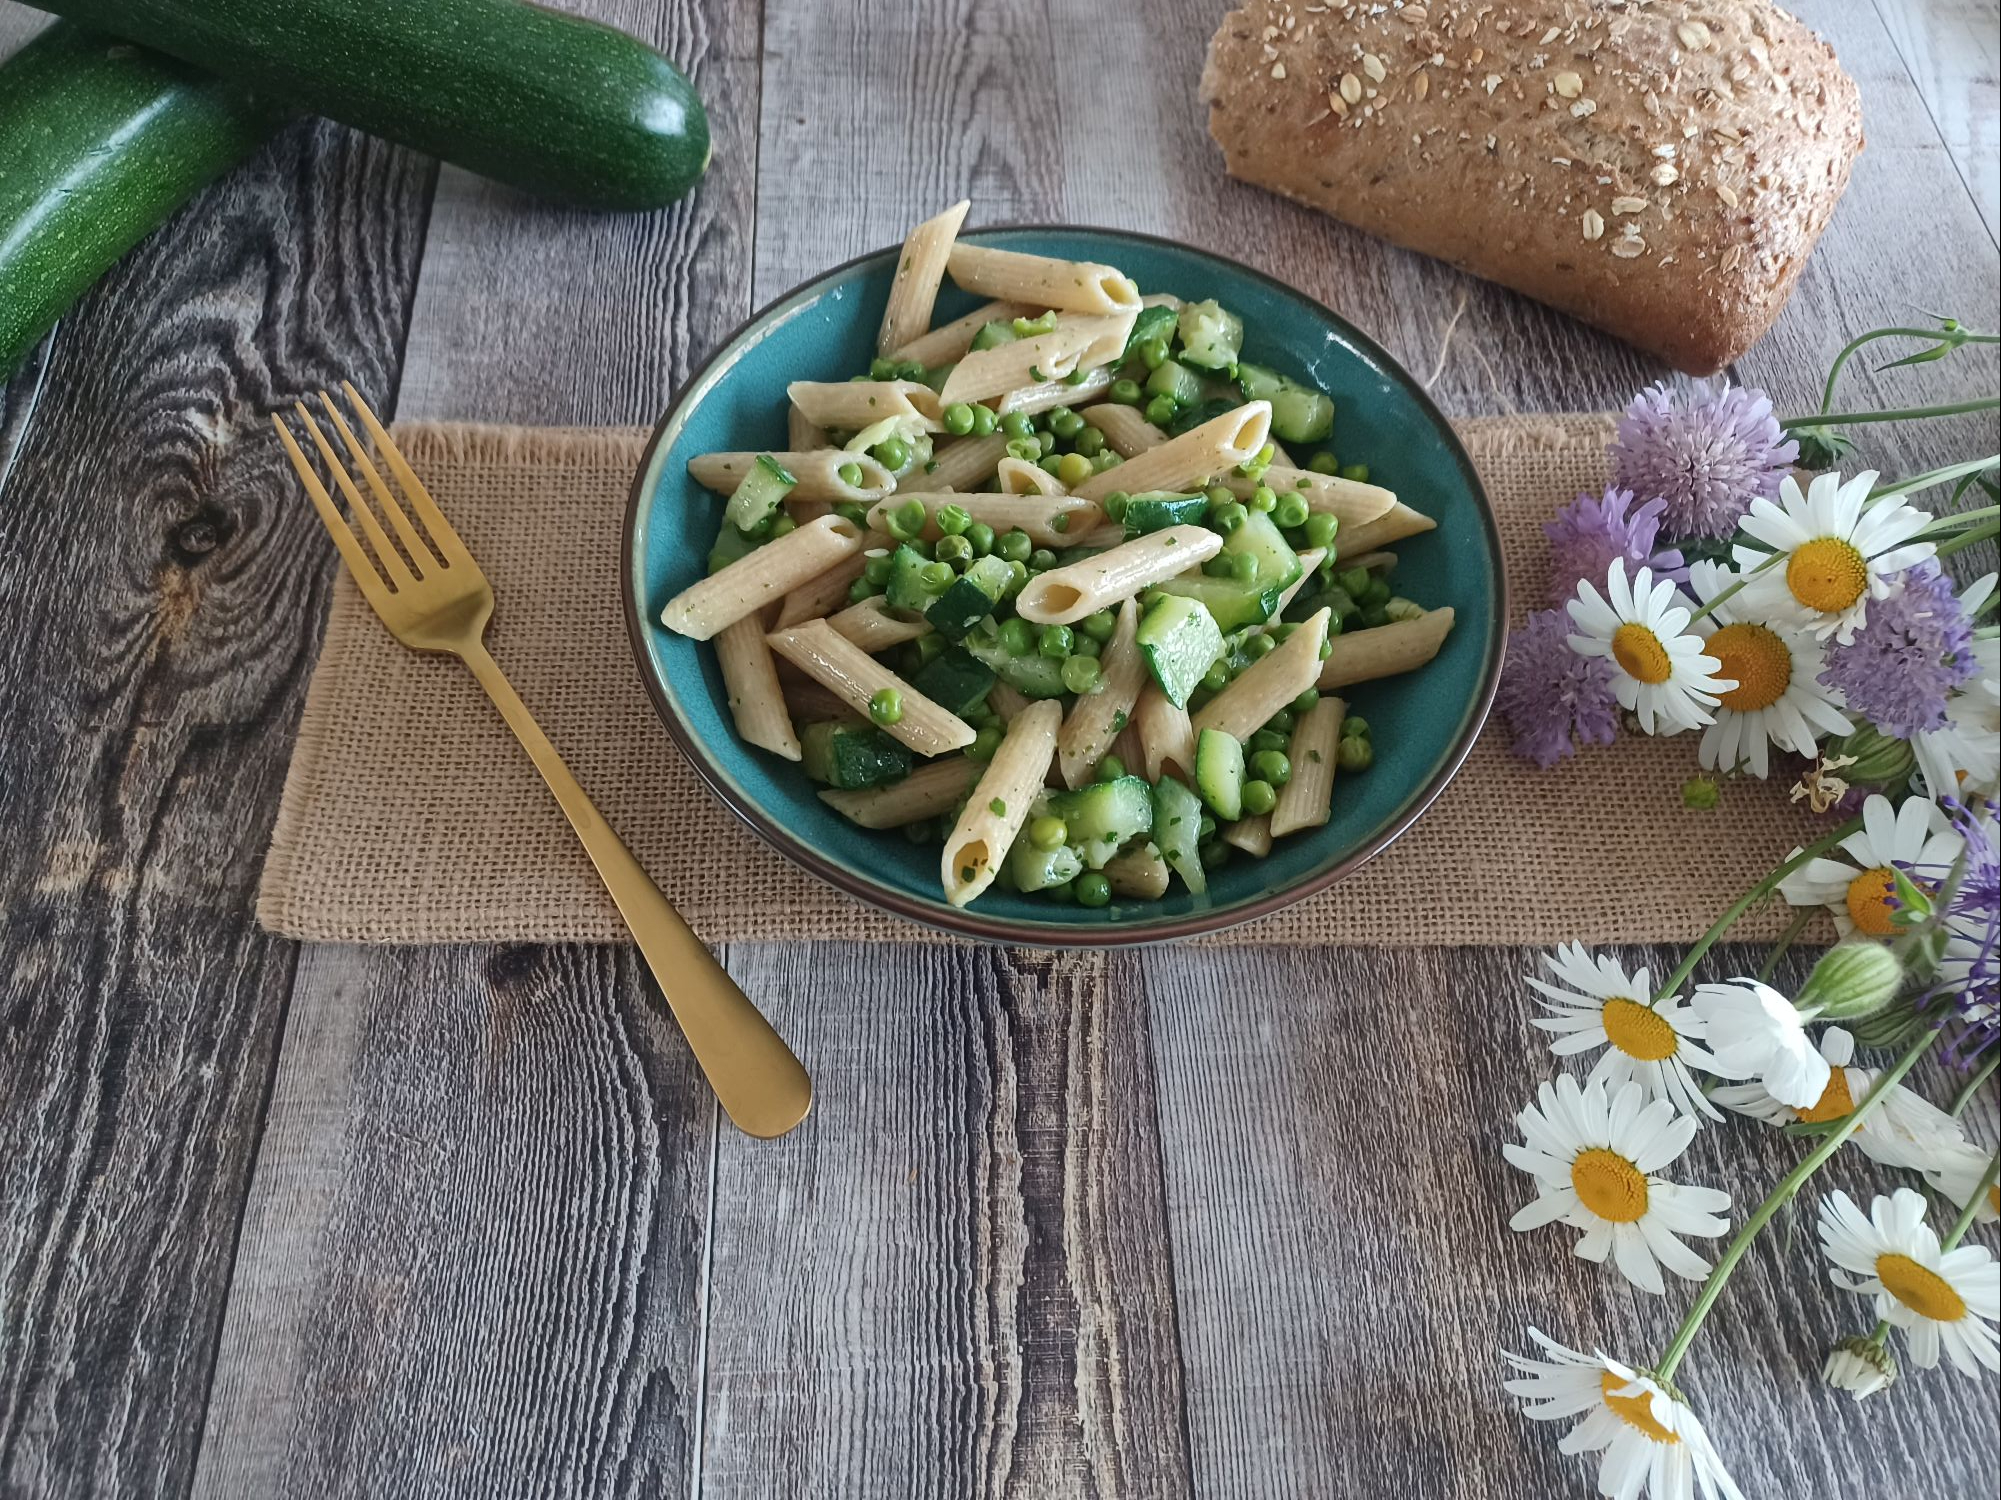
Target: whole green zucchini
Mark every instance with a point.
(555, 104)
(99, 142)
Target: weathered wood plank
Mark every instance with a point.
(1951, 50)
(159, 610)
(1332, 1125)
(954, 1281)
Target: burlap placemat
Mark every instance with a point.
(410, 815)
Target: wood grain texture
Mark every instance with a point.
(159, 594)
(954, 1280)
(1951, 51)
(1332, 1127)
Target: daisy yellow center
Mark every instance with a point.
(1827, 574)
(1836, 1101)
(1640, 654)
(1870, 902)
(1639, 1032)
(1634, 1411)
(1757, 659)
(1920, 1288)
(1609, 1185)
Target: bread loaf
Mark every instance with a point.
(1659, 169)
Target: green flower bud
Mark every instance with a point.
(1878, 759)
(1821, 447)
(1700, 793)
(1852, 980)
(1861, 1367)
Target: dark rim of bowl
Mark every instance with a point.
(966, 922)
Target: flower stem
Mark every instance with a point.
(1961, 518)
(1966, 1090)
(1897, 414)
(1936, 335)
(1965, 1219)
(1746, 901)
(1780, 1196)
(1931, 477)
(1971, 537)
(1793, 930)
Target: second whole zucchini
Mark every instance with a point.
(557, 105)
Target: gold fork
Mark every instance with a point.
(433, 597)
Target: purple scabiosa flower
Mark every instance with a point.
(1913, 650)
(1552, 697)
(1969, 970)
(1590, 532)
(1708, 459)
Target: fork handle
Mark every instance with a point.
(760, 1084)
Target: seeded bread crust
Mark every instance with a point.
(1659, 168)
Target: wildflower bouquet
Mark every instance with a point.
(1707, 590)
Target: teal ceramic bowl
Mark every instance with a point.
(1423, 723)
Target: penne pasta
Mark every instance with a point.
(1393, 525)
(966, 463)
(756, 702)
(1000, 802)
(1384, 651)
(1127, 432)
(873, 627)
(1348, 502)
(1138, 872)
(807, 700)
(1042, 280)
(1006, 701)
(1162, 299)
(851, 405)
(821, 596)
(1063, 596)
(702, 609)
(800, 434)
(1088, 385)
(853, 676)
(818, 473)
(1128, 748)
(949, 342)
(913, 291)
(1074, 344)
(1252, 835)
(1267, 684)
(1307, 798)
(1165, 735)
(1017, 476)
(1099, 716)
(1191, 460)
(929, 791)
(1049, 520)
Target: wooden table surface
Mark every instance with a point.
(284, 1221)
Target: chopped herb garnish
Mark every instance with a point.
(997, 807)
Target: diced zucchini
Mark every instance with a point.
(1259, 536)
(1161, 509)
(1180, 641)
(731, 544)
(1259, 383)
(906, 588)
(1233, 605)
(1104, 816)
(1190, 417)
(1036, 869)
(1211, 337)
(1033, 675)
(1219, 773)
(1177, 381)
(851, 755)
(969, 598)
(1301, 414)
(1152, 323)
(1177, 829)
(760, 494)
(992, 335)
(955, 680)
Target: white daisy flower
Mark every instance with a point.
(1861, 890)
(1755, 1032)
(1937, 1297)
(1963, 759)
(1779, 698)
(1861, 1367)
(1902, 1129)
(1594, 1157)
(1836, 552)
(1956, 1171)
(1598, 1004)
(1660, 671)
(1653, 1444)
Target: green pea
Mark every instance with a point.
(1355, 753)
(1259, 646)
(1354, 724)
(1063, 894)
(1016, 424)
(1041, 560)
(1324, 462)
(1219, 495)
(1153, 353)
(1305, 702)
(1355, 581)
(1093, 889)
(1217, 677)
(1320, 529)
(1106, 460)
(1214, 854)
(1327, 645)
(1100, 626)
(953, 519)
(1282, 722)
(1160, 410)
(1111, 768)
(1017, 575)
(1266, 739)
(1046, 441)
(1081, 674)
(1264, 498)
(1127, 392)
(1073, 469)
(1227, 518)
(1259, 798)
(1222, 565)
(861, 589)
(877, 569)
(1357, 472)
(1046, 832)
(1115, 505)
(955, 550)
(852, 511)
(984, 421)
(1243, 566)
(958, 418)
(928, 647)
(1013, 545)
(910, 369)
(1049, 463)
(849, 474)
(1292, 510)
(1378, 591)
(1199, 696)
(1083, 645)
(937, 574)
(985, 742)
(882, 369)
(1090, 442)
(1017, 636)
(1272, 766)
(981, 536)
(1065, 423)
(885, 706)
(782, 526)
(1054, 640)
